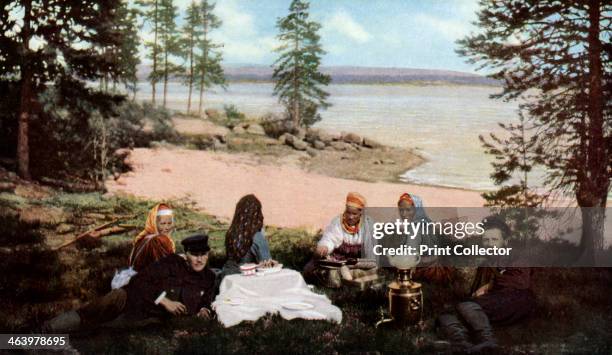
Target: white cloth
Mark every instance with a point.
(122, 278)
(247, 298)
(334, 235)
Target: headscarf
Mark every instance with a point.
(353, 199)
(247, 221)
(151, 222)
(415, 201)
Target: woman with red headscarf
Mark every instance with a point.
(154, 242)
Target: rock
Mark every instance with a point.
(352, 138)
(217, 144)
(211, 113)
(318, 145)
(312, 135)
(238, 130)
(284, 138)
(341, 146)
(296, 143)
(325, 137)
(257, 129)
(312, 152)
(299, 144)
(300, 133)
(370, 143)
(64, 228)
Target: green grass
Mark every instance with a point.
(574, 313)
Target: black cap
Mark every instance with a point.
(196, 243)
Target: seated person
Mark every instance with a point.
(154, 242)
(245, 241)
(501, 295)
(348, 236)
(172, 286)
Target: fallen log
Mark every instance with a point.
(100, 231)
(71, 186)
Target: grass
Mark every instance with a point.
(574, 313)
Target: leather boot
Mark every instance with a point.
(477, 319)
(65, 322)
(455, 332)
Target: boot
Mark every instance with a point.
(475, 316)
(455, 332)
(65, 322)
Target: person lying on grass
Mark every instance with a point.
(173, 286)
(245, 241)
(348, 236)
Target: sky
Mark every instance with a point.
(373, 33)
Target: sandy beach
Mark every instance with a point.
(290, 196)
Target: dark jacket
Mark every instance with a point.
(181, 283)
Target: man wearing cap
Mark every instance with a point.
(348, 236)
(173, 286)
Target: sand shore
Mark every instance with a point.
(291, 197)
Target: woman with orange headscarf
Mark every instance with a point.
(154, 242)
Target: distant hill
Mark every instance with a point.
(361, 75)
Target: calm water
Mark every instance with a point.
(441, 122)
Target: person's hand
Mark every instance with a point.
(204, 313)
(321, 251)
(268, 263)
(482, 290)
(175, 308)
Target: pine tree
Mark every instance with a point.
(192, 34)
(169, 43)
(152, 16)
(128, 55)
(298, 81)
(72, 37)
(208, 67)
(552, 53)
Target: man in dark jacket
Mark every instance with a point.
(500, 295)
(172, 286)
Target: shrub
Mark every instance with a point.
(232, 113)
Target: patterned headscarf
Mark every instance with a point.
(356, 200)
(247, 221)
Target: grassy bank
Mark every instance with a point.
(574, 308)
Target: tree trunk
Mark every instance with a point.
(27, 97)
(190, 73)
(205, 59)
(154, 81)
(592, 191)
(296, 103)
(165, 74)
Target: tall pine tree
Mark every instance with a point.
(557, 54)
(169, 43)
(192, 34)
(61, 45)
(128, 55)
(152, 16)
(208, 61)
(298, 81)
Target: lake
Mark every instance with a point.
(441, 122)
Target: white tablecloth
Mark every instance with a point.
(254, 296)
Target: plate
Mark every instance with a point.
(297, 306)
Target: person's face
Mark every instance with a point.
(406, 210)
(197, 260)
(352, 215)
(165, 224)
(493, 238)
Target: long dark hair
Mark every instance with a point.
(248, 220)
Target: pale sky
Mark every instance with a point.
(378, 33)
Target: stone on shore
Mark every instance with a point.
(298, 144)
(370, 143)
(318, 145)
(256, 129)
(352, 138)
(341, 146)
(238, 130)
